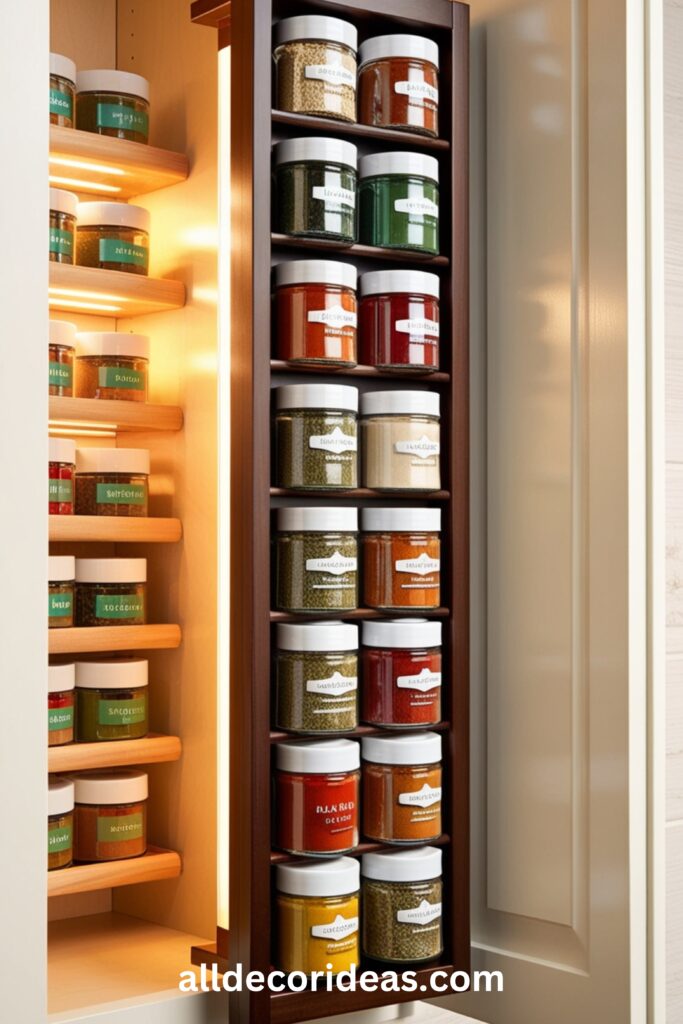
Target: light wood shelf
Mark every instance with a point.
(153, 866)
(152, 749)
(127, 529)
(111, 168)
(101, 415)
(79, 639)
(112, 293)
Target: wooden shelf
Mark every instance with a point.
(277, 857)
(153, 866)
(112, 293)
(360, 730)
(127, 529)
(359, 131)
(357, 613)
(78, 640)
(111, 168)
(280, 366)
(102, 416)
(152, 749)
(360, 493)
(362, 252)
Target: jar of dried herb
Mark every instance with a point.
(111, 699)
(402, 788)
(62, 90)
(316, 318)
(60, 823)
(398, 83)
(402, 905)
(316, 559)
(316, 677)
(61, 350)
(110, 815)
(112, 365)
(114, 103)
(112, 481)
(401, 557)
(61, 470)
(315, 188)
(111, 591)
(402, 673)
(316, 441)
(317, 913)
(113, 236)
(60, 602)
(399, 316)
(60, 704)
(401, 440)
(399, 201)
(63, 211)
(315, 61)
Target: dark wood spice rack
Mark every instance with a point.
(255, 125)
(280, 366)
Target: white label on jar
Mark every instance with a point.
(333, 74)
(418, 90)
(335, 685)
(423, 447)
(419, 205)
(334, 198)
(425, 797)
(335, 316)
(418, 325)
(426, 680)
(422, 566)
(336, 442)
(340, 928)
(424, 914)
(336, 564)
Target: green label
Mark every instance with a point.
(117, 377)
(120, 494)
(116, 115)
(122, 712)
(60, 103)
(59, 839)
(61, 375)
(61, 490)
(61, 242)
(60, 718)
(60, 605)
(112, 250)
(119, 606)
(128, 826)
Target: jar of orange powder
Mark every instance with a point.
(315, 312)
(401, 557)
(402, 780)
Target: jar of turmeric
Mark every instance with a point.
(402, 788)
(401, 557)
(60, 822)
(110, 815)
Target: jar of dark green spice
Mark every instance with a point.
(114, 103)
(315, 188)
(399, 201)
(316, 677)
(111, 700)
(113, 236)
(316, 559)
(111, 591)
(63, 210)
(316, 437)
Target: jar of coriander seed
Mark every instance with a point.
(63, 211)
(113, 236)
(316, 677)
(62, 90)
(316, 559)
(114, 103)
(316, 440)
(315, 62)
(111, 591)
(402, 897)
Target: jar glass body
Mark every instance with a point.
(316, 323)
(400, 93)
(316, 449)
(60, 604)
(401, 803)
(316, 77)
(62, 97)
(400, 331)
(402, 570)
(117, 114)
(316, 571)
(60, 829)
(110, 831)
(120, 378)
(310, 934)
(112, 247)
(397, 926)
(111, 604)
(61, 488)
(112, 494)
(316, 815)
(316, 691)
(60, 718)
(400, 211)
(401, 452)
(62, 232)
(316, 199)
(61, 370)
(111, 714)
(401, 687)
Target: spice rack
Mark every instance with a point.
(154, 865)
(111, 292)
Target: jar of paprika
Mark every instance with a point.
(402, 788)
(399, 320)
(316, 317)
(401, 557)
(402, 678)
(398, 82)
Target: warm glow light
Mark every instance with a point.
(205, 294)
(82, 293)
(99, 307)
(81, 425)
(78, 298)
(83, 186)
(77, 432)
(204, 237)
(86, 165)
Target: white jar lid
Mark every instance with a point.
(318, 519)
(405, 520)
(61, 568)
(124, 786)
(112, 460)
(110, 80)
(338, 877)
(399, 163)
(402, 633)
(317, 636)
(62, 449)
(316, 26)
(404, 282)
(319, 757)
(317, 396)
(63, 202)
(344, 275)
(61, 677)
(382, 47)
(329, 151)
(399, 403)
(118, 215)
(116, 674)
(60, 796)
(112, 343)
(63, 333)
(417, 749)
(111, 570)
(62, 66)
(407, 866)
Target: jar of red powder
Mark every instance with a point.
(317, 798)
(399, 320)
(61, 680)
(402, 788)
(62, 466)
(401, 557)
(315, 312)
(398, 83)
(401, 661)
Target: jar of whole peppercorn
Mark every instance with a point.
(402, 675)
(61, 349)
(112, 481)
(62, 90)
(399, 320)
(112, 365)
(61, 470)
(316, 441)
(315, 188)
(402, 902)
(60, 704)
(402, 788)
(401, 557)
(60, 823)
(398, 83)
(316, 317)
(63, 210)
(60, 605)
(113, 236)
(111, 591)
(399, 201)
(316, 559)
(315, 61)
(316, 677)
(112, 102)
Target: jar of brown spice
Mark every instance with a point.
(62, 346)
(111, 591)
(60, 823)
(112, 481)
(112, 365)
(110, 815)
(398, 82)
(60, 603)
(402, 788)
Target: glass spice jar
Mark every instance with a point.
(62, 90)
(317, 914)
(61, 470)
(399, 201)
(63, 211)
(316, 677)
(60, 603)
(112, 365)
(113, 236)
(315, 63)
(60, 704)
(399, 320)
(401, 557)
(60, 823)
(398, 83)
(402, 905)
(111, 591)
(316, 559)
(317, 797)
(114, 103)
(315, 188)
(316, 314)
(402, 788)
(401, 440)
(316, 441)
(111, 700)
(402, 673)
(110, 816)
(61, 349)
(112, 481)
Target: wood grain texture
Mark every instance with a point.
(101, 413)
(152, 749)
(304, 122)
(674, 924)
(153, 866)
(113, 638)
(365, 252)
(111, 292)
(127, 529)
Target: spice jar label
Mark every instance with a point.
(61, 241)
(425, 797)
(425, 681)
(338, 929)
(119, 606)
(423, 448)
(122, 712)
(336, 684)
(418, 325)
(333, 74)
(60, 103)
(120, 494)
(335, 316)
(334, 198)
(424, 914)
(59, 839)
(419, 205)
(114, 251)
(61, 375)
(60, 718)
(336, 564)
(116, 115)
(418, 90)
(59, 606)
(126, 826)
(116, 377)
(336, 441)
(422, 566)
(61, 490)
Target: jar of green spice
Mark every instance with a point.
(111, 591)
(315, 188)
(63, 210)
(111, 700)
(316, 677)
(316, 559)
(113, 236)
(316, 437)
(399, 201)
(114, 103)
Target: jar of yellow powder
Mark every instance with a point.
(317, 909)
